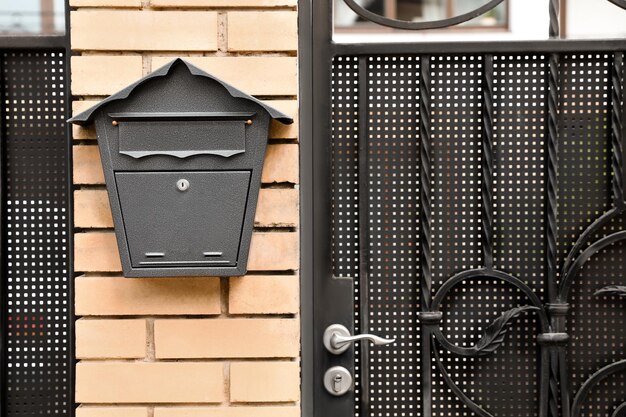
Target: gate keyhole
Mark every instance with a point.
(337, 383)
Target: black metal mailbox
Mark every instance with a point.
(182, 154)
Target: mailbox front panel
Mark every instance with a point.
(185, 218)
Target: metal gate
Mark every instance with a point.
(466, 200)
(36, 328)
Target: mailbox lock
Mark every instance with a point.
(182, 185)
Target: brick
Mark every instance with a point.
(276, 208)
(282, 131)
(104, 75)
(264, 382)
(79, 106)
(80, 132)
(97, 252)
(124, 382)
(117, 296)
(105, 3)
(274, 252)
(264, 76)
(83, 132)
(224, 3)
(99, 339)
(226, 338)
(263, 295)
(241, 411)
(134, 30)
(263, 31)
(92, 209)
(87, 165)
(282, 164)
(86, 411)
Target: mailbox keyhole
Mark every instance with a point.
(182, 184)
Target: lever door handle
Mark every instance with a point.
(337, 339)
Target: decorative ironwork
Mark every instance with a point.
(550, 309)
(519, 154)
(435, 24)
(619, 3)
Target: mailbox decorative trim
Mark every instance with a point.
(182, 153)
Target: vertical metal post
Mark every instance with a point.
(426, 277)
(556, 382)
(364, 241)
(617, 130)
(3, 249)
(552, 156)
(70, 204)
(487, 163)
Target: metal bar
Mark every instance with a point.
(67, 46)
(551, 225)
(33, 42)
(545, 46)
(3, 249)
(544, 380)
(487, 163)
(555, 19)
(426, 278)
(307, 245)
(623, 124)
(552, 193)
(329, 293)
(551, 175)
(364, 242)
(617, 130)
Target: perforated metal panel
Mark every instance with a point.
(36, 283)
(490, 150)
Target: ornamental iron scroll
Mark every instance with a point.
(368, 15)
(434, 24)
(619, 3)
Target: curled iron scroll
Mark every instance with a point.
(434, 24)
(619, 3)
(476, 274)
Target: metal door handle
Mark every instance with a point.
(337, 339)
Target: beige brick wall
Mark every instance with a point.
(203, 346)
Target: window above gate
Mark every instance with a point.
(32, 17)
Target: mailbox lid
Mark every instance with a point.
(182, 134)
(184, 218)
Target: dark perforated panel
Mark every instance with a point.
(393, 178)
(36, 235)
(598, 323)
(507, 381)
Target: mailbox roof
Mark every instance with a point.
(86, 117)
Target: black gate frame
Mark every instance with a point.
(39, 43)
(317, 50)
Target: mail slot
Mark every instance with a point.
(182, 134)
(182, 153)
